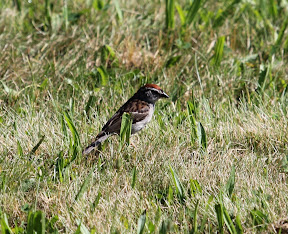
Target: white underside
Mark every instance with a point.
(138, 126)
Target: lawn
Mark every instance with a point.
(214, 158)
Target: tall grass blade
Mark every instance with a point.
(165, 227)
(195, 187)
(82, 229)
(259, 219)
(192, 11)
(181, 14)
(107, 54)
(229, 222)
(170, 195)
(284, 164)
(37, 145)
(98, 4)
(178, 185)
(173, 61)
(64, 128)
(19, 149)
(273, 8)
(104, 75)
(13, 93)
(231, 182)
(220, 217)
(96, 201)
(264, 71)
(65, 14)
(17, 3)
(118, 10)
(239, 228)
(36, 222)
(125, 131)
(192, 112)
(47, 17)
(141, 223)
(169, 11)
(195, 226)
(39, 222)
(75, 135)
(5, 228)
(202, 139)
(134, 174)
(59, 167)
(218, 51)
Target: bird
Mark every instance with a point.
(140, 107)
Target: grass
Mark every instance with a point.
(214, 157)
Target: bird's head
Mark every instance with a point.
(151, 93)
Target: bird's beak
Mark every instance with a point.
(164, 95)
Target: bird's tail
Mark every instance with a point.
(102, 136)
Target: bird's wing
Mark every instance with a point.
(138, 110)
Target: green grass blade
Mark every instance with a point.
(141, 223)
(229, 222)
(218, 51)
(239, 228)
(195, 226)
(104, 75)
(118, 10)
(259, 219)
(170, 8)
(195, 187)
(125, 131)
(47, 16)
(39, 222)
(264, 71)
(178, 185)
(72, 128)
(170, 195)
(220, 217)
(37, 145)
(134, 174)
(192, 112)
(107, 54)
(181, 14)
(82, 229)
(17, 3)
(96, 201)
(5, 228)
(202, 139)
(173, 61)
(19, 149)
(192, 11)
(231, 182)
(98, 4)
(63, 127)
(65, 14)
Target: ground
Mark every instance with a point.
(214, 158)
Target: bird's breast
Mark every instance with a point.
(141, 124)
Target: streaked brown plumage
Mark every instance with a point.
(141, 108)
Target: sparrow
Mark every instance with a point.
(140, 107)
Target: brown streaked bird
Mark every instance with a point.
(141, 108)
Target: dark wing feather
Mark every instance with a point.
(138, 110)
